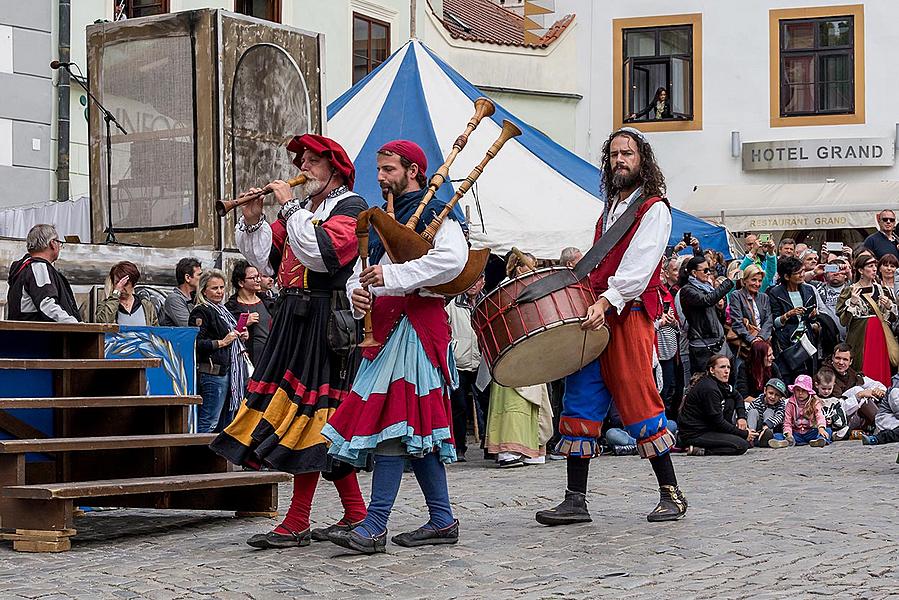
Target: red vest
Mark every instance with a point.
(599, 277)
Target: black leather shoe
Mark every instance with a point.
(671, 507)
(351, 540)
(425, 536)
(572, 510)
(323, 534)
(280, 540)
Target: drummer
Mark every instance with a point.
(627, 283)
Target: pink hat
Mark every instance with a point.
(803, 382)
(408, 150)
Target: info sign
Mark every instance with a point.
(797, 154)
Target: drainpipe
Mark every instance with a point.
(412, 9)
(62, 102)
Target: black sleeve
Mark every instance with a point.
(696, 297)
(742, 384)
(205, 343)
(712, 401)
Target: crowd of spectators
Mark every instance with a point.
(786, 345)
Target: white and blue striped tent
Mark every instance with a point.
(535, 194)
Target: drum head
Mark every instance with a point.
(551, 355)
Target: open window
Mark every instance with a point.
(658, 72)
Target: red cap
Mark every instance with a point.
(408, 150)
(326, 147)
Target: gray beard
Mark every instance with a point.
(313, 186)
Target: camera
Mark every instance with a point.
(688, 237)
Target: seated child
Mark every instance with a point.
(834, 406)
(766, 413)
(887, 418)
(804, 421)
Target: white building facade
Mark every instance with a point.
(538, 84)
(806, 89)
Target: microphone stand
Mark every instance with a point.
(109, 118)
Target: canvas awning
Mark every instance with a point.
(789, 206)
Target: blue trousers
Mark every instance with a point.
(385, 485)
(214, 390)
(802, 439)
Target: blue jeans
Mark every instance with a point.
(802, 439)
(214, 390)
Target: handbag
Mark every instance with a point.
(795, 356)
(343, 329)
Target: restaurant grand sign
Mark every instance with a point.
(795, 154)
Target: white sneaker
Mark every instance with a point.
(540, 460)
(776, 443)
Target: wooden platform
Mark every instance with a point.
(110, 445)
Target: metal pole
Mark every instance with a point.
(62, 102)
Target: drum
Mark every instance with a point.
(536, 342)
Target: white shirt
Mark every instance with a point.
(256, 246)
(642, 255)
(442, 263)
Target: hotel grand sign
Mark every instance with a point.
(796, 154)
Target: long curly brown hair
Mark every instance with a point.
(651, 177)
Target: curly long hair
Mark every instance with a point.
(651, 177)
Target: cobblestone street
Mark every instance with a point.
(796, 523)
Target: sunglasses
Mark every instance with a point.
(706, 270)
(888, 219)
(58, 241)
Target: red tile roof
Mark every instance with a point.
(484, 21)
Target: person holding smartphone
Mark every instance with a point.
(761, 252)
(794, 307)
(252, 312)
(868, 311)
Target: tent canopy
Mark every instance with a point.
(783, 206)
(535, 194)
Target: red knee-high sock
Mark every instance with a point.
(351, 498)
(297, 518)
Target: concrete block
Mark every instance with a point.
(6, 58)
(26, 98)
(32, 52)
(21, 185)
(33, 14)
(6, 142)
(24, 153)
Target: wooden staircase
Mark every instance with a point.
(112, 446)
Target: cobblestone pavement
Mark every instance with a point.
(798, 523)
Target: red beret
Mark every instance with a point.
(408, 150)
(326, 147)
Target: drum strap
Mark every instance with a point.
(591, 260)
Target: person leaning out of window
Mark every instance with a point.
(121, 305)
(658, 109)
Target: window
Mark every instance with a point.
(657, 66)
(371, 45)
(270, 10)
(658, 58)
(817, 66)
(131, 9)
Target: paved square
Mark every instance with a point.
(797, 523)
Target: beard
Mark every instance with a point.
(397, 188)
(312, 185)
(622, 179)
